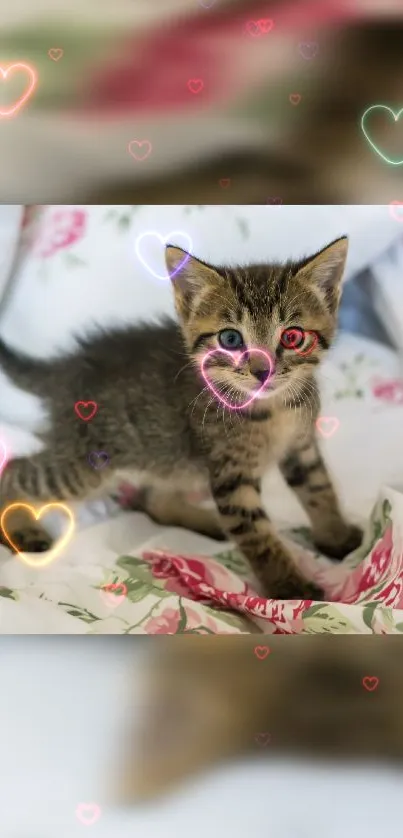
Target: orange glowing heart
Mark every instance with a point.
(51, 554)
(5, 74)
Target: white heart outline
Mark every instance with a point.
(396, 117)
(164, 241)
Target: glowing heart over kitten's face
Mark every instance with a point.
(236, 360)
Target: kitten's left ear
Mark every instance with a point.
(189, 276)
(325, 271)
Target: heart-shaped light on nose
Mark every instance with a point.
(236, 360)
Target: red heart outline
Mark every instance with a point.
(305, 332)
(370, 682)
(262, 652)
(265, 25)
(86, 404)
(195, 85)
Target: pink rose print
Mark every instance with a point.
(392, 594)
(379, 560)
(388, 390)
(64, 228)
(165, 623)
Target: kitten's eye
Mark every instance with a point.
(230, 339)
(292, 338)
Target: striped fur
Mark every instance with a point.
(156, 416)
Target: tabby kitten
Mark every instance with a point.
(205, 405)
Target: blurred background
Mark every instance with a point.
(202, 737)
(209, 101)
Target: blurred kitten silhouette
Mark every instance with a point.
(207, 701)
(322, 156)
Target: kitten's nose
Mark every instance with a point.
(262, 374)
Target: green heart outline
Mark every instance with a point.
(396, 117)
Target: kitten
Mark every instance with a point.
(205, 702)
(161, 413)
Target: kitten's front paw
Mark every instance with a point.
(338, 548)
(30, 539)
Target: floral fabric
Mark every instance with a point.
(158, 591)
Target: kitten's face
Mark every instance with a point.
(288, 313)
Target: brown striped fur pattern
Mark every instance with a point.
(158, 420)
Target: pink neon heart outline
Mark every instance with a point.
(140, 143)
(295, 349)
(88, 820)
(34, 78)
(236, 358)
(323, 420)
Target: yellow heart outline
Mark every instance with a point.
(396, 117)
(37, 515)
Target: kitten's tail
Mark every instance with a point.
(28, 373)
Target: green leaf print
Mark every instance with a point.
(182, 618)
(131, 563)
(243, 227)
(326, 619)
(368, 614)
(8, 593)
(73, 261)
(137, 589)
(81, 613)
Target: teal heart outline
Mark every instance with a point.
(396, 116)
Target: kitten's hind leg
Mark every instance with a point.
(43, 478)
(172, 509)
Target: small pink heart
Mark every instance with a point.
(295, 98)
(195, 85)
(55, 53)
(261, 652)
(370, 682)
(253, 27)
(327, 425)
(394, 208)
(137, 153)
(265, 25)
(110, 596)
(225, 182)
(236, 358)
(88, 813)
(262, 738)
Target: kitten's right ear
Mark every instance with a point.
(189, 277)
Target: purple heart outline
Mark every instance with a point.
(308, 49)
(98, 459)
